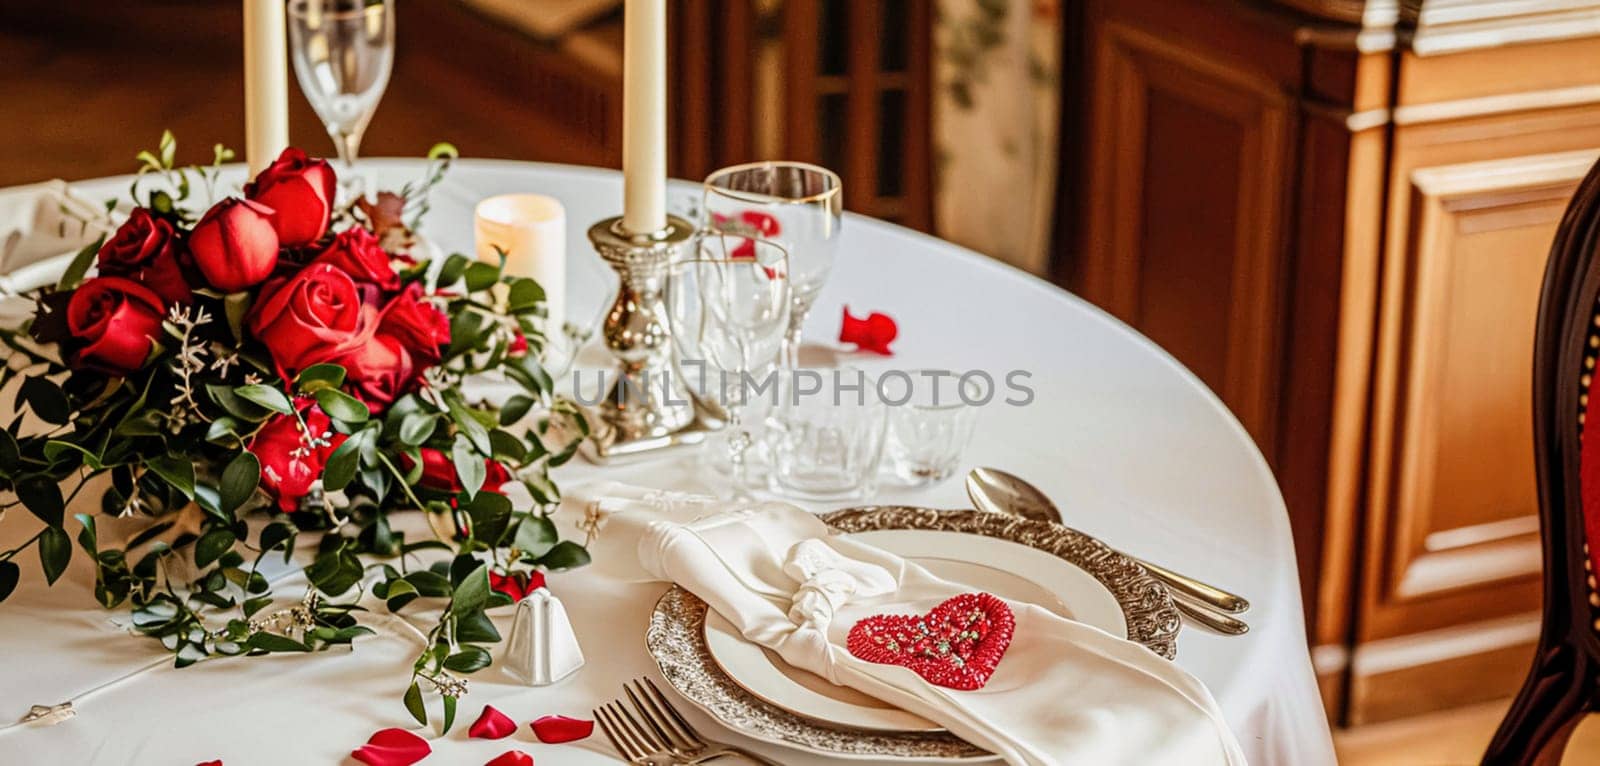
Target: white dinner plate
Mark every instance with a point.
(1058, 568)
(1001, 567)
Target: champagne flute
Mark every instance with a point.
(728, 310)
(792, 204)
(343, 51)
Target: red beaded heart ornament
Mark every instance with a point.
(955, 645)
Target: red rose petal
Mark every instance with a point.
(492, 724)
(210, 763)
(392, 747)
(512, 758)
(555, 729)
(873, 333)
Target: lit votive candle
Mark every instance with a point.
(532, 230)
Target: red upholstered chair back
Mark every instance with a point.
(1562, 685)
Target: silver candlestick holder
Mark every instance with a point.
(648, 407)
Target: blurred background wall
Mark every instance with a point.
(904, 98)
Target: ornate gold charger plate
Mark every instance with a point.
(677, 636)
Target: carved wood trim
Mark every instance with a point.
(1453, 26)
(1365, 12)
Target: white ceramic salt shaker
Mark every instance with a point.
(543, 648)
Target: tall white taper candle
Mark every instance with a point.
(266, 83)
(644, 116)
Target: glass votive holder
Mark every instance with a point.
(826, 435)
(931, 419)
(531, 229)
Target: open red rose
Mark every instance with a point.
(235, 245)
(874, 333)
(420, 327)
(135, 244)
(439, 472)
(308, 318)
(145, 249)
(116, 321)
(300, 191)
(517, 585)
(392, 747)
(357, 253)
(292, 458)
(379, 371)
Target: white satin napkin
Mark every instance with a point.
(41, 227)
(1064, 693)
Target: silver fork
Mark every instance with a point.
(631, 743)
(671, 729)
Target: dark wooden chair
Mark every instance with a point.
(1564, 683)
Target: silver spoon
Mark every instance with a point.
(996, 491)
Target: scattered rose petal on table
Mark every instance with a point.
(555, 729)
(874, 333)
(210, 763)
(392, 747)
(512, 758)
(492, 724)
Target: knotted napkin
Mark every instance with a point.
(1063, 693)
(41, 227)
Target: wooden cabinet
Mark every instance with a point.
(1337, 214)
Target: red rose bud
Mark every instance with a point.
(517, 585)
(357, 253)
(392, 747)
(136, 243)
(379, 371)
(417, 324)
(511, 758)
(235, 245)
(292, 459)
(874, 333)
(518, 345)
(116, 321)
(300, 191)
(495, 476)
(555, 729)
(439, 472)
(492, 724)
(311, 317)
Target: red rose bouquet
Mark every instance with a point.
(278, 366)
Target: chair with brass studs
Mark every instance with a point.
(1564, 684)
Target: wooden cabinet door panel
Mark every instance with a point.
(1454, 501)
(1185, 231)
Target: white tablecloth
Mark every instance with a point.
(1132, 446)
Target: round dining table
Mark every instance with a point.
(1132, 447)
